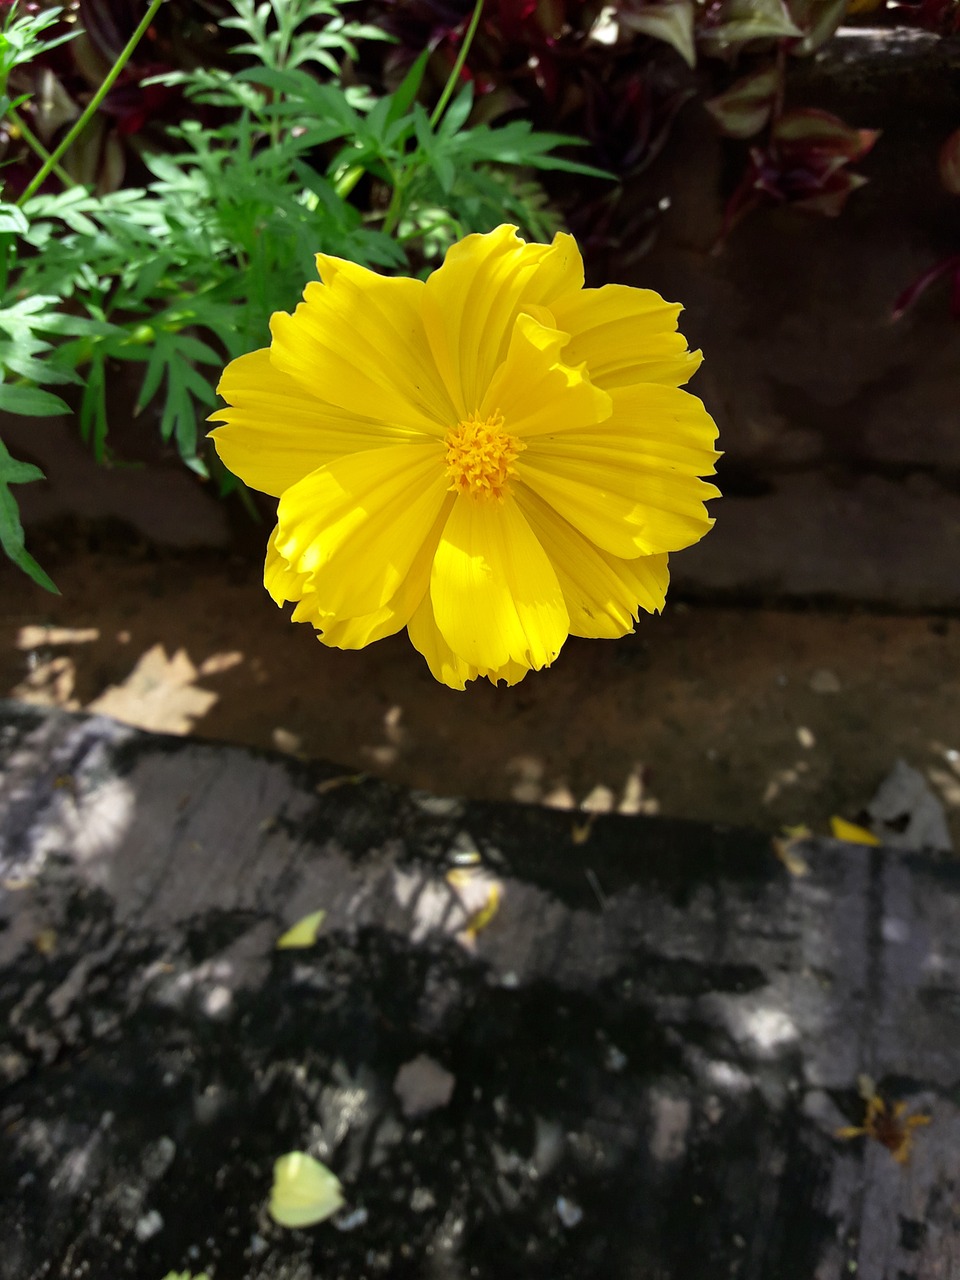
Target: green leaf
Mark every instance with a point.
(31, 402)
(149, 276)
(516, 144)
(456, 114)
(672, 23)
(812, 129)
(153, 374)
(432, 149)
(742, 21)
(93, 406)
(818, 19)
(12, 219)
(35, 370)
(11, 530)
(295, 83)
(79, 326)
(744, 108)
(402, 97)
(194, 349)
(378, 119)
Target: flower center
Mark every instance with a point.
(481, 456)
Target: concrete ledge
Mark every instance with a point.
(869, 540)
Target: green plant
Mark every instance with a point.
(185, 273)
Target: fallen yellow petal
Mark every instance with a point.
(46, 941)
(304, 932)
(304, 1192)
(840, 829)
(786, 851)
(481, 918)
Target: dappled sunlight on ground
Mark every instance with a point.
(761, 717)
(161, 692)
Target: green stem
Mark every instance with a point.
(348, 180)
(395, 208)
(454, 75)
(94, 103)
(402, 181)
(38, 148)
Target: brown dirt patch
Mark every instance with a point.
(739, 715)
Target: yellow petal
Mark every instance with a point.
(282, 582)
(356, 633)
(303, 933)
(510, 673)
(665, 428)
(495, 595)
(355, 527)
(260, 400)
(304, 1191)
(445, 666)
(840, 829)
(484, 914)
(359, 343)
(626, 335)
(631, 485)
(277, 432)
(616, 510)
(470, 303)
(603, 593)
(536, 391)
(559, 272)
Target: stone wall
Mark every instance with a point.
(841, 428)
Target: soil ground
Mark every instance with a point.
(741, 715)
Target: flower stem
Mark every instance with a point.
(403, 180)
(94, 103)
(454, 75)
(348, 180)
(37, 147)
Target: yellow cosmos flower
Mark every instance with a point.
(494, 458)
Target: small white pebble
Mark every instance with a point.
(568, 1211)
(824, 681)
(422, 1200)
(423, 1085)
(436, 806)
(559, 798)
(148, 1226)
(287, 742)
(614, 1059)
(465, 858)
(218, 1000)
(350, 1221)
(600, 800)
(805, 737)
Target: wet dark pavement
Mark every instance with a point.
(530, 1043)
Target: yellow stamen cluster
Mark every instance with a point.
(481, 456)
